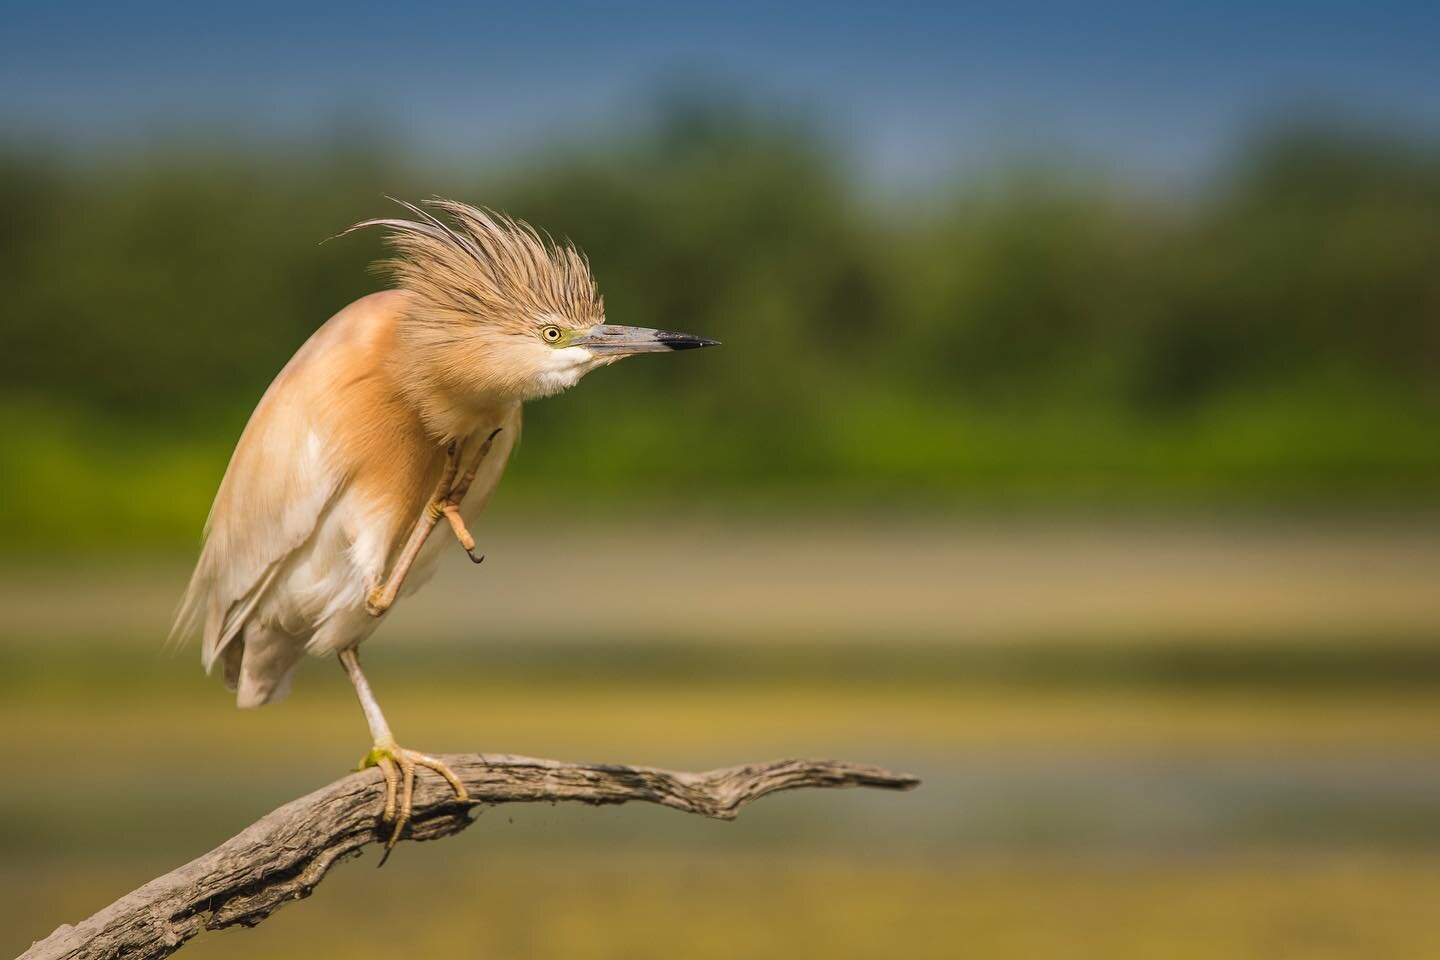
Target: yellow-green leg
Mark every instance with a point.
(396, 763)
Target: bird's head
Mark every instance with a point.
(500, 312)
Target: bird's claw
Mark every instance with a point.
(473, 558)
(398, 765)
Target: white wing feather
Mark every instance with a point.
(277, 491)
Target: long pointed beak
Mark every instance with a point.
(609, 339)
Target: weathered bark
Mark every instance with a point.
(283, 856)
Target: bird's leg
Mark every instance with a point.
(445, 502)
(449, 504)
(396, 763)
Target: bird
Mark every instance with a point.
(398, 412)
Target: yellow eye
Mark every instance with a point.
(551, 334)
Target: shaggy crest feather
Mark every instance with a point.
(480, 266)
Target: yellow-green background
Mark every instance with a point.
(1109, 510)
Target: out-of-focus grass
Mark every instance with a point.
(1069, 820)
(1260, 786)
(159, 481)
(627, 903)
(663, 906)
(462, 708)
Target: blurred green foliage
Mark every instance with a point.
(1028, 334)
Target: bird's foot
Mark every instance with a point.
(398, 765)
(454, 487)
(451, 510)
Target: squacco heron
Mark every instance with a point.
(398, 413)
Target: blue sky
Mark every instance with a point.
(911, 91)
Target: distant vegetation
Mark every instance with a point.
(1030, 335)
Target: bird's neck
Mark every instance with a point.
(453, 388)
(448, 415)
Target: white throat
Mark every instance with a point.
(564, 368)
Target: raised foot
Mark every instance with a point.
(398, 766)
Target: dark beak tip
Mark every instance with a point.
(684, 341)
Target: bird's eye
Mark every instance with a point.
(551, 334)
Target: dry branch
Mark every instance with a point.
(285, 855)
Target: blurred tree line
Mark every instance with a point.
(1030, 333)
